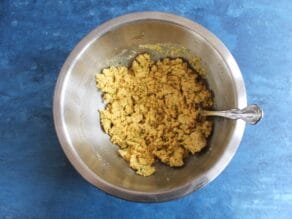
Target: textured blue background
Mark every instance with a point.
(36, 179)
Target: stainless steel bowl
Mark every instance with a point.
(76, 102)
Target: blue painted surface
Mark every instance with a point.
(36, 179)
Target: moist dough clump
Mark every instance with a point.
(152, 111)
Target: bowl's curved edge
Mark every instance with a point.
(88, 174)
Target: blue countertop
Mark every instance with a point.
(36, 179)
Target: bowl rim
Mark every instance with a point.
(128, 194)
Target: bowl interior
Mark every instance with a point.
(81, 100)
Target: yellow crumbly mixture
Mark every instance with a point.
(152, 111)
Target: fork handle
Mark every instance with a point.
(251, 114)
